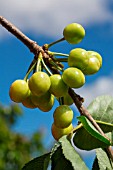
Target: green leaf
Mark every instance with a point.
(71, 154)
(59, 162)
(92, 130)
(83, 140)
(39, 163)
(106, 127)
(103, 160)
(101, 109)
(65, 157)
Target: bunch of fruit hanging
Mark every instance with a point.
(46, 79)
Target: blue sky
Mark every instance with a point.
(44, 22)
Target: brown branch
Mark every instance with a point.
(83, 111)
(32, 45)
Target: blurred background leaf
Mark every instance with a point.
(16, 149)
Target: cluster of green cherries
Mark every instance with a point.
(39, 89)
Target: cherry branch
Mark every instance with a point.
(83, 111)
(78, 100)
(32, 45)
(35, 48)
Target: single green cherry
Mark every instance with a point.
(27, 101)
(94, 63)
(63, 116)
(58, 88)
(59, 132)
(78, 58)
(74, 33)
(44, 102)
(39, 83)
(97, 55)
(67, 99)
(19, 90)
(46, 107)
(73, 77)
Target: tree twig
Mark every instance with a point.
(32, 45)
(83, 111)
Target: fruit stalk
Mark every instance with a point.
(45, 67)
(32, 66)
(58, 54)
(55, 42)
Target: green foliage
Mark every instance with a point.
(84, 140)
(38, 163)
(92, 130)
(101, 109)
(59, 161)
(102, 161)
(62, 156)
(16, 149)
(85, 136)
(71, 155)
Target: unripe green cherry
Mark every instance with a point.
(19, 90)
(78, 58)
(40, 100)
(74, 33)
(27, 102)
(97, 55)
(73, 77)
(94, 64)
(44, 102)
(67, 99)
(63, 116)
(46, 107)
(58, 132)
(39, 83)
(58, 88)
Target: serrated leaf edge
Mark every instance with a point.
(73, 150)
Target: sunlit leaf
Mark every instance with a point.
(71, 154)
(101, 108)
(103, 160)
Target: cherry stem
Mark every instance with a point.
(77, 127)
(56, 66)
(46, 68)
(58, 54)
(61, 59)
(32, 66)
(55, 42)
(38, 66)
(61, 100)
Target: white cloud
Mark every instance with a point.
(50, 16)
(102, 86)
